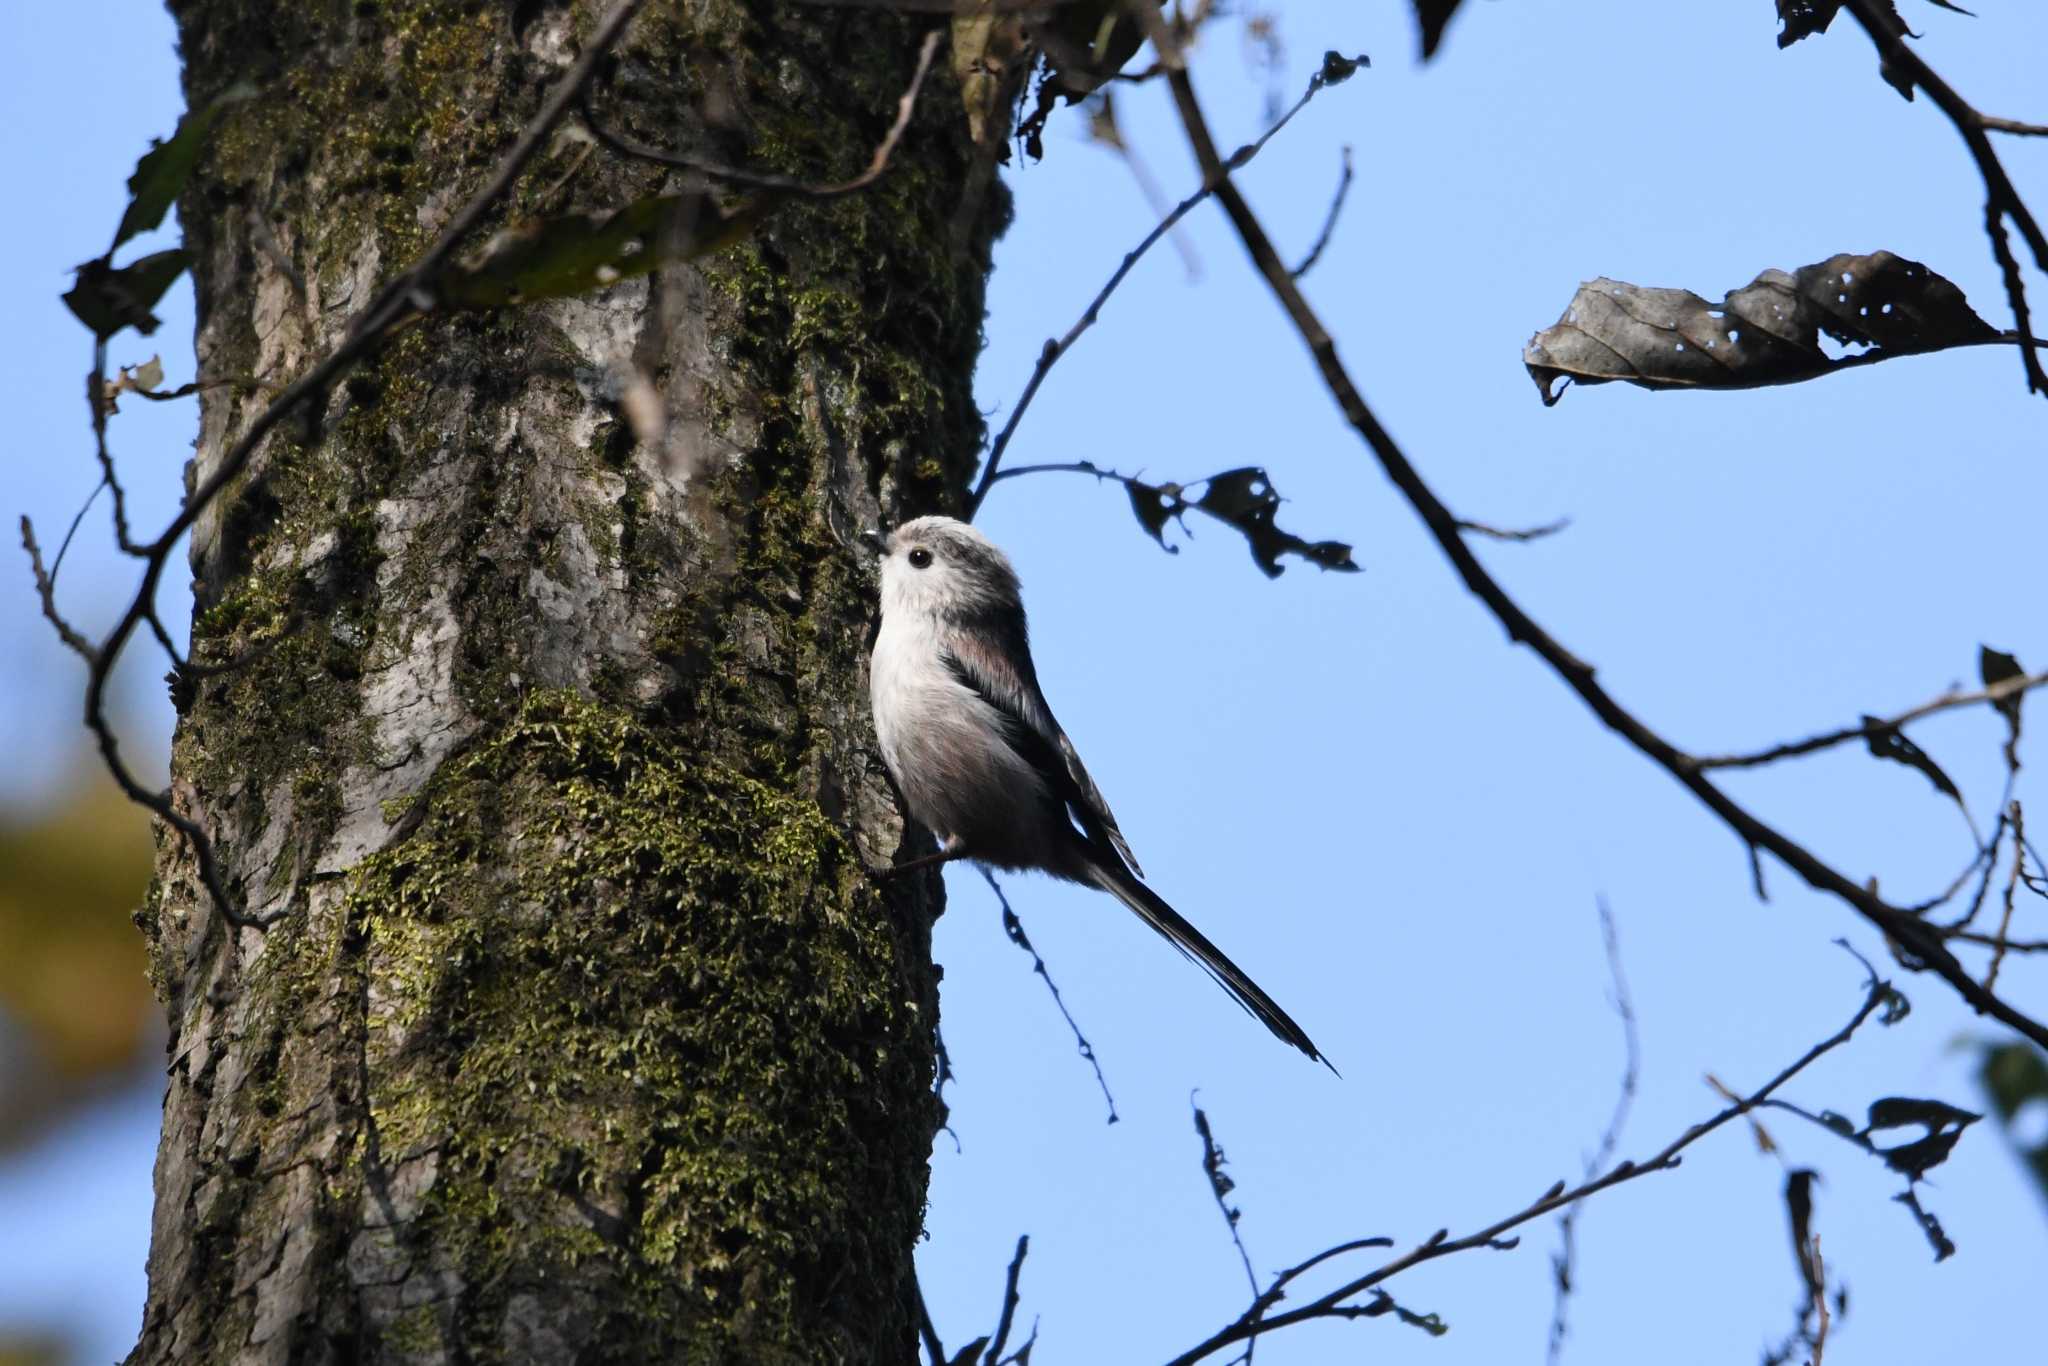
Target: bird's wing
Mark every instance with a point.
(982, 662)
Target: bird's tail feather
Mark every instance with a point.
(1154, 911)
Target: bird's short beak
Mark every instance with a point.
(874, 540)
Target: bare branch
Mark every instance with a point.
(1515, 534)
(1315, 253)
(1334, 69)
(1558, 1197)
(1014, 928)
(994, 1354)
(927, 1333)
(1220, 1187)
(1610, 1138)
(2001, 942)
(1998, 125)
(46, 590)
(2002, 202)
(1948, 701)
(1920, 941)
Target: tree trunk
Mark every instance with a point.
(583, 1035)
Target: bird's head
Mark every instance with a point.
(940, 567)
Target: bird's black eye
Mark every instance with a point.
(920, 558)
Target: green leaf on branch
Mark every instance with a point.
(2015, 1076)
(107, 299)
(576, 253)
(1767, 332)
(162, 172)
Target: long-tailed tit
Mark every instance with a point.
(976, 752)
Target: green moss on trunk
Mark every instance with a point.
(583, 1036)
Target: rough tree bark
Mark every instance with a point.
(583, 1036)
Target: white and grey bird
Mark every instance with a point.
(975, 750)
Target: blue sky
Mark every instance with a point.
(1394, 819)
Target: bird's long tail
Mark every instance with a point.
(1125, 887)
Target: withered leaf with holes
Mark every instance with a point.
(1767, 332)
(1245, 500)
(1889, 742)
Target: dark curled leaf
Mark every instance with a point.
(1896, 1112)
(1896, 1006)
(1245, 499)
(1804, 18)
(1432, 15)
(106, 299)
(1914, 1160)
(1337, 68)
(1154, 505)
(1996, 666)
(1799, 1209)
(1767, 332)
(1889, 742)
(1944, 1124)
(165, 166)
(580, 252)
(1212, 1165)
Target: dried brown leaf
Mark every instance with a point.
(1767, 332)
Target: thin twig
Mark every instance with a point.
(1220, 1186)
(926, 1332)
(2012, 886)
(1515, 534)
(759, 180)
(95, 399)
(1014, 928)
(1315, 253)
(1556, 1198)
(1994, 941)
(46, 591)
(1917, 938)
(994, 1352)
(1059, 346)
(2002, 201)
(78, 517)
(1610, 1138)
(1103, 128)
(406, 295)
(1863, 730)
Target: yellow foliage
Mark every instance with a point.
(71, 962)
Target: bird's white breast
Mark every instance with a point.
(943, 744)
